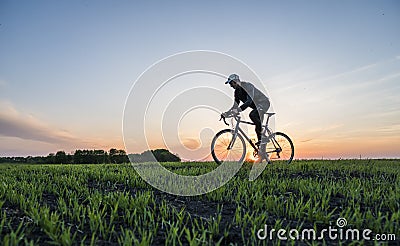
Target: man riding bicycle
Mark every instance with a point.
(251, 97)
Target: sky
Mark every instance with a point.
(331, 69)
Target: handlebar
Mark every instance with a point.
(237, 118)
(223, 118)
(231, 114)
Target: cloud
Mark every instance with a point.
(326, 128)
(392, 130)
(23, 134)
(191, 143)
(304, 81)
(25, 126)
(13, 146)
(306, 140)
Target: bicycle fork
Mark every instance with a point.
(230, 146)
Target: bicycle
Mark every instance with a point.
(273, 146)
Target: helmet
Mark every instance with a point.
(233, 77)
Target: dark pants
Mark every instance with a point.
(257, 119)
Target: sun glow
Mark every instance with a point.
(250, 157)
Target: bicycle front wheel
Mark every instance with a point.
(220, 144)
(280, 147)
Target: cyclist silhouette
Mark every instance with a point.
(251, 97)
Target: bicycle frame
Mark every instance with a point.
(238, 129)
(265, 130)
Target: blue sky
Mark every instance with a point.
(330, 67)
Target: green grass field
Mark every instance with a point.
(111, 204)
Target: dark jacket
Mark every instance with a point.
(250, 96)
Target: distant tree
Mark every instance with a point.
(163, 155)
(92, 157)
(50, 158)
(113, 155)
(100, 156)
(60, 157)
(147, 156)
(77, 156)
(118, 156)
(13, 159)
(135, 157)
(113, 152)
(83, 157)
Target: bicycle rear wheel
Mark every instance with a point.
(280, 147)
(219, 147)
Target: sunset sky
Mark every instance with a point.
(331, 69)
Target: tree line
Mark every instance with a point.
(95, 157)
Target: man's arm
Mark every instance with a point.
(236, 100)
(250, 96)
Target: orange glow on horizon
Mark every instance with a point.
(348, 148)
(323, 147)
(249, 156)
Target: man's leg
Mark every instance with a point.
(255, 117)
(262, 108)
